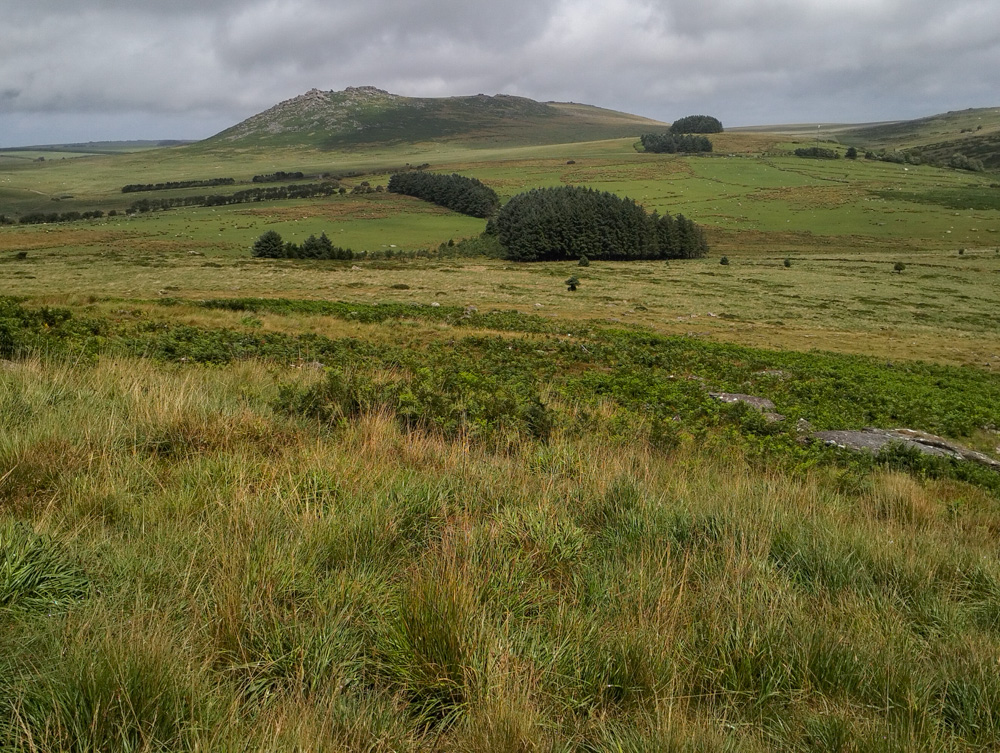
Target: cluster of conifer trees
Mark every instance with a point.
(567, 222)
(672, 143)
(270, 245)
(455, 192)
(137, 187)
(696, 124)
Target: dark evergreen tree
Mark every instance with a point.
(672, 143)
(569, 222)
(456, 192)
(317, 248)
(696, 124)
(269, 245)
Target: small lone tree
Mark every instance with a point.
(898, 267)
(788, 261)
(724, 261)
(584, 261)
(269, 246)
(571, 283)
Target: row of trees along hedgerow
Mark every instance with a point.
(817, 152)
(455, 192)
(249, 195)
(696, 124)
(278, 177)
(171, 185)
(672, 143)
(568, 222)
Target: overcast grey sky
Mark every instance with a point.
(83, 70)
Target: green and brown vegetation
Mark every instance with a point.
(437, 501)
(366, 116)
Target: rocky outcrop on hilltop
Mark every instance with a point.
(316, 110)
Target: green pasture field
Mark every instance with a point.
(843, 224)
(433, 501)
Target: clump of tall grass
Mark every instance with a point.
(255, 579)
(102, 686)
(36, 572)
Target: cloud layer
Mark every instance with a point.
(104, 69)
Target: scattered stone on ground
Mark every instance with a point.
(872, 440)
(762, 404)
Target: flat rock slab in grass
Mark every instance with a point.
(873, 440)
(762, 404)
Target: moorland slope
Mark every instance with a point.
(429, 499)
(369, 116)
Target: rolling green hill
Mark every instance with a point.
(368, 116)
(973, 133)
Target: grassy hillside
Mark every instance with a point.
(496, 533)
(369, 116)
(974, 133)
(843, 224)
(428, 499)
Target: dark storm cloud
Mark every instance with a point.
(209, 64)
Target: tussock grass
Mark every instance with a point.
(231, 574)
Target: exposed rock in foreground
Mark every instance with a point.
(872, 440)
(762, 404)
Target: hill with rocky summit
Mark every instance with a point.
(366, 115)
(972, 133)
